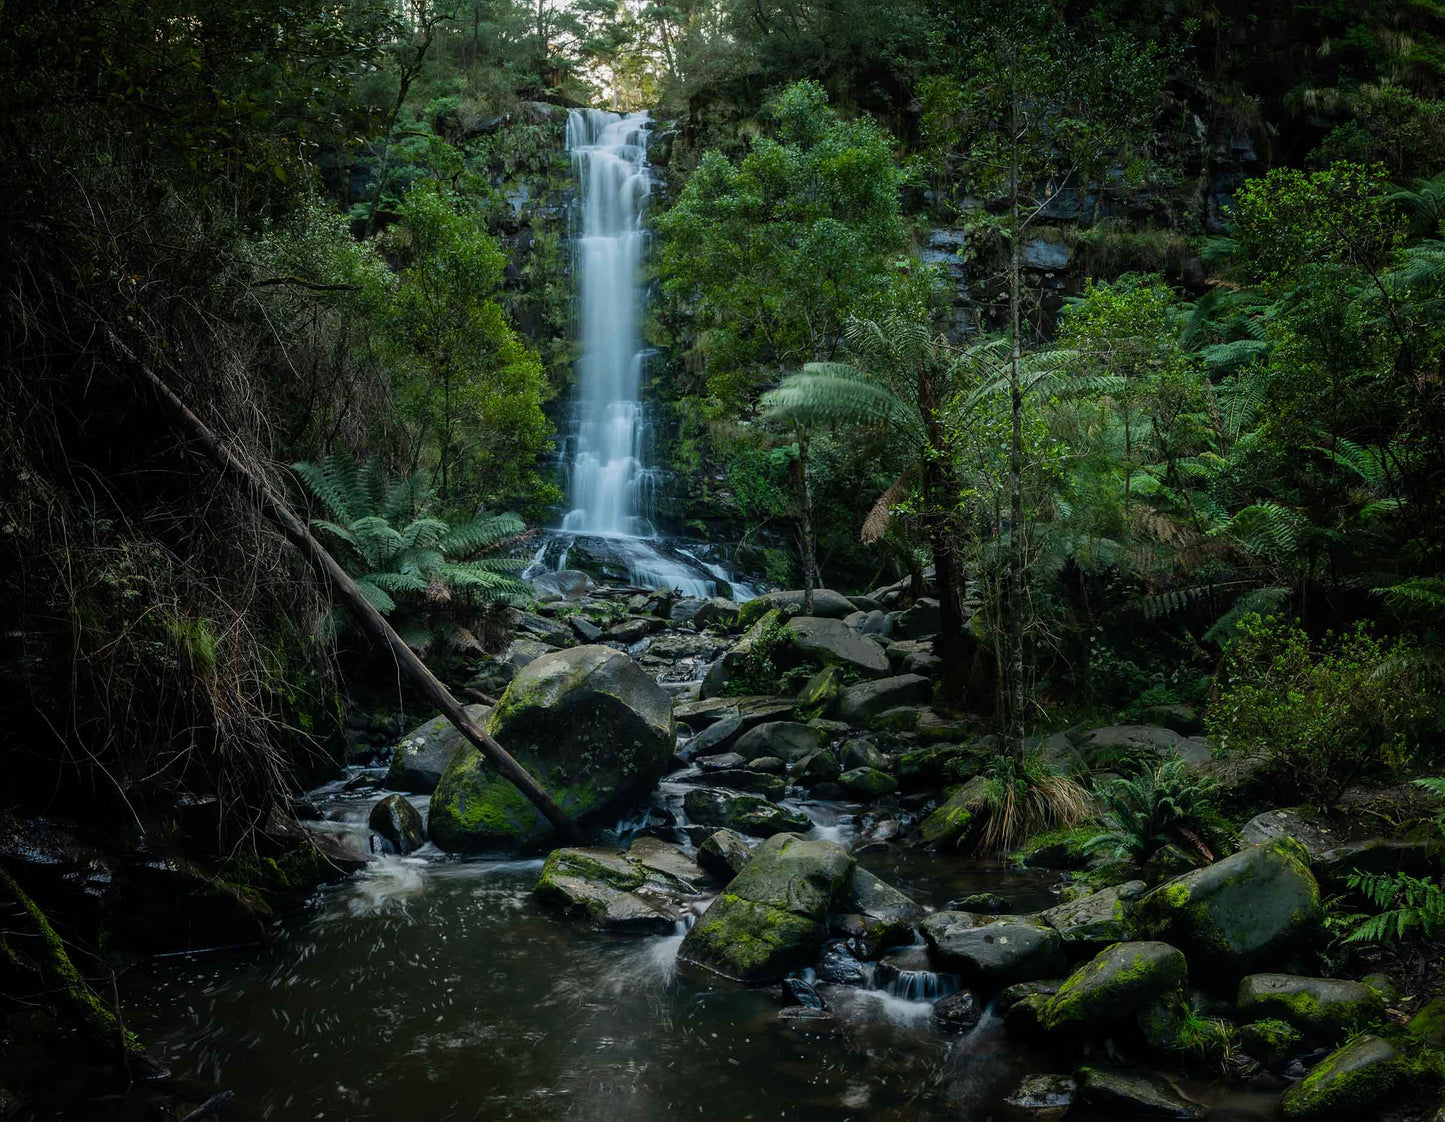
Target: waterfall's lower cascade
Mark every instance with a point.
(606, 449)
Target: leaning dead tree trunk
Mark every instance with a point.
(361, 610)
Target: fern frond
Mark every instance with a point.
(323, 487)
(1262, 601)
(480, 534)
(376, 596)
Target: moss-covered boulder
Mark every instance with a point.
(1239, 913)
(746, 779)
(747, 814)
(867, 783)
(1427, 1027)
(999, 952)
(400, 823)
(951, 824)
(588, 724)
(1271, 1042)
(1349, 1083)
(770, 919)
(937, 765)
(422, 755)
(1321, 1008)
(611, 889)
(1174, 1029)
(831, 642)
(1117, 983)
(827, 604)
(819, 695)
(816, 767)
(1095, 921)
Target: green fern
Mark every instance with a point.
(1162, 804)
(1404, 905)
(427, 575)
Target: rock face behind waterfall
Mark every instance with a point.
(590, 726)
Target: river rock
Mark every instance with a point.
(609, 888)
(937, 765)
(717, 737)
(1271, 1042)
(422, 755)
(867, 783)
(1097, 920)
(1134, 1094)
(1148, 738)
(398, 822)
(788, 740)
(771, 787)
(885, 916)
(1039, 1098)
(1349, 1083)
(815, 767)
(1305, 824)
(841, 967)
(584, 628)
(747, 814)
(594, 730)
(769, 764)
(819, 695)
(796, 991)
(717, 612)
(770, 919)
(563, 584)
(724, 853)
(1374, 855)
(723, 761)
(951, 823)
(827, 604)
(701, 714)
(870, 622)
(958, 1011)
(634, 630)
(1238, 913)
(546, 630)
(1117, 983)
(1012, 949)
(860, 703)
(922, 621)
(861, 753)
(831, 642)
(1323, 1008)
(915, 656)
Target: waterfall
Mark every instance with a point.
(610, 485)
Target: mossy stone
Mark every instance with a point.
(819, 695)
(589, 726)
(868, 783)
(1239, 913)
(951, 824)
(1271, 1042)
(1322, 1008)
(1349, 1083)
(1117, 983)
(1427, 1027)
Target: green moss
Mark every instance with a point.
(1427, 1027)
(1056, 849)
(1271, 1041)
(1118, 981)
(750, 941)
(65, 982)
(1345, 1084)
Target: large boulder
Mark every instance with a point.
(859, 704)
(1323, 1008)
(747, 814)
(1347, 1084)
(399, 823)
(770, 919)
(1373, 855)
(1000, 952)
(1135, 1094)
(819, 695)
(1239, 913)
(1305, 824)
(831, 642)
(789, 741)
(746, 779)
(589, 726)
(1119, 982)
(724, 853)
(827, 604)
(1148, 738)
(922, 621)
(879, 914)
(867, 783)
(1097, 920)
(563, 584)
(422, 755)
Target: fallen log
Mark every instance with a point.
(361, 610)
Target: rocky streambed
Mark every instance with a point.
(777, 919)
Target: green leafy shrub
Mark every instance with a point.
(429, 577)
(763, 666)
(1163, 804)
(1025, 795)
(1320, 715)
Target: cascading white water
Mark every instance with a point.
(610, 485)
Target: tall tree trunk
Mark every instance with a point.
(1015, 586)
(810, 546)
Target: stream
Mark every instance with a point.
(430, 987)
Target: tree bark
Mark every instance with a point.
(361, 610)
(1014, 730)
(810, 546)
